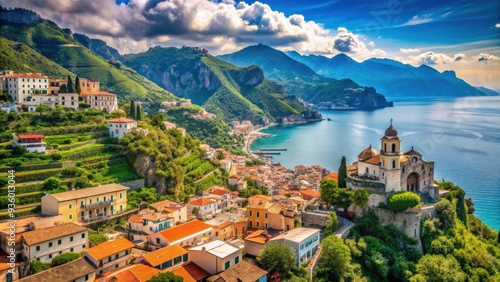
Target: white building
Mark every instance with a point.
(45, 244)
(304, 242)
(100, 100)
(215, 256)
(32, 142)
(185, 235)
(150, 223)
(21, 85)
(121, 126)
(110, 255)
(79, 270)
(206, 207)
(220, 194)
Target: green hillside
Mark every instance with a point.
(57, 45)
(229, 91)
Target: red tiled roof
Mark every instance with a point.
(122, 120)
(164, 254)
(195, 271)
(30, 136)
(135, 218)
(109, 248)
(201, 202)
(373, 160)
(184, 230)
(310, 193)
(332, 176)
(27, 75)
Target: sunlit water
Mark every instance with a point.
(462, 137)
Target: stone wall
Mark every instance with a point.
(312, 219)
(134, 184)
(409, 221)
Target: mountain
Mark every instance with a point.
(229, 91)
(389, 77)
(98, 46)
(299, 79)
(56, 44)
(487, 91)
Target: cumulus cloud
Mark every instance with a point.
(218, 25)
(432, 58)
(483, 57)
(408, 51)
(497, 25)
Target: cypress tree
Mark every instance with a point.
(342, 173)
(70, 86)
(131, 114)
(63, 89)
(138, 114)
(78, 89)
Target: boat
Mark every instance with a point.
(328, 119)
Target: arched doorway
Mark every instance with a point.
(412, 182)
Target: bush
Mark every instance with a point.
(96, 238)
(402, 201)
(51, 183)
(64, 258)
(56, 156)
(38, 266)
(15, 163)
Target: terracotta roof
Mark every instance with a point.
(184, 230)
(26, 136)
(403, 159)
(66, 272)
(244, 271)
(26, 75)
(311, 193)
(182, 272)
(97, 93)
(256, 237)
(87, 192)
(109, 248)
(224, 224)
(162, 204)
(51, 233)
(122, 120)
(367, 153)
(196, 272)
(135, 218)
(412, 152)
(217, 190)
(164, 254)
(135, 273)
(201, 202)
(155, 216)
(332, 176)
(374, 160)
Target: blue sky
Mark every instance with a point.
(460, 35)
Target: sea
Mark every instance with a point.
(461, 136)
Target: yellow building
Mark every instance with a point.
(87, 205)
(265, 212)
(257, 211)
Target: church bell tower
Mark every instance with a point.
(390, 164)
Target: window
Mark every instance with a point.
(86, 277)
(250, 213)
(100, 264)
(393, 148)
(71, 239)
(83, 235)
(59, 242)
(227, 264)
(116, 256)
(185, 257)
(116, 265)
(83, 247)
(120, 195)
(81, 204)
(37, 248)
(109, 259)
(70, 216)
(169, 263)
(104, 199)
(236, 260)
(393, 164)
(121, 207)
(97, 200)
(257, 224)
(126, 252)
(265, 214)
(71, 250)
(50, 256)
(258, 214)
(50, 244)
(177, 259)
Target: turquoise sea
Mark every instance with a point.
(461, 135)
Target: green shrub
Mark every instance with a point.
(401, 201)
(64, 258)
(96, 238)
(38, 266)
(15, 163)
(51, 183)
(56, 156)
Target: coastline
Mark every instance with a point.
(252, 136)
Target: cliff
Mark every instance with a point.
(18, 16)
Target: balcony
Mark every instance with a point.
(97, 204)
(99, 217)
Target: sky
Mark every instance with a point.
(463, 36)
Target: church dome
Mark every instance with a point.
(367, 153)
(391, 131)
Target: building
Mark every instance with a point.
(304, 242)
(100, 100)
(220, 194)
(68, 100)
(46, 243)
(21, 85)
(89, 86)
(87, 205)
(175, 210)
(166, 257)
(185, 235)
(169, 125)
(257, 211)
(150, 223)
(32, 142)
(110, 255)
(392, 171)
(206, 207)
(79, 270)
(215, 256)
(241, 272)
(132, 273)
(191, 272)
(121, 126)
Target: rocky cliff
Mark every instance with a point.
(19, 16)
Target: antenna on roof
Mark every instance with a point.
(391, 121)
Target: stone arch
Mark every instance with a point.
(412, 182)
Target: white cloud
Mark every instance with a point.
(416, 20)
(497, 25)
(431, 58)
(408, 51)
(218, 25)
(371, 44)
(483, 57)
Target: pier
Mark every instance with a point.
(272, 149)
(266, 153)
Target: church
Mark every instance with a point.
(393, 170)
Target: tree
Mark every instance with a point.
(327, 189)
(446, 214)
(166, 277)
(334, 261)
(434, 268)
(63, 89)
(342, 197)
(131, 114)
(138, 113)
(42, 108)
(51, 183)
(278, 259)
(64, 258)
(360, 197)
(70, 86)
(195, 211)
(342, 173)
(78, 88)
(331, 224)
(403, 200)
(158, 120)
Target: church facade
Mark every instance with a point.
(392, 169)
